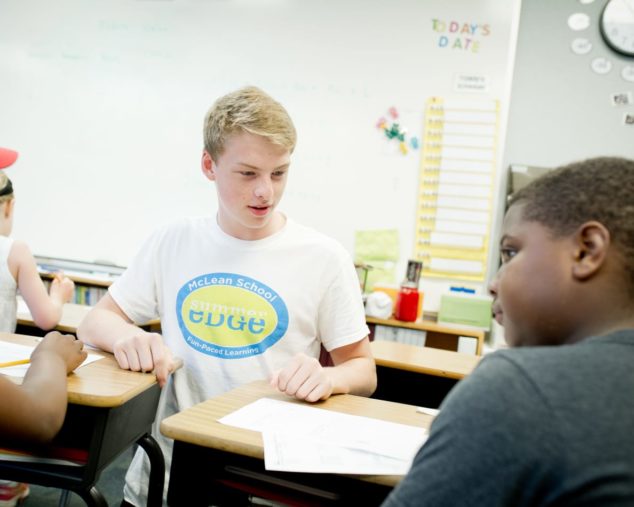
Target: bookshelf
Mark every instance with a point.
(92, 279)
(428, 334)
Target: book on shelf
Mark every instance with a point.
(92, 279)
(400, 335)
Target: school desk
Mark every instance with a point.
(209, 456)
(418, 375)
(109, 410)
(72, 315)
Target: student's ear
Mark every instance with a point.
(7, 208)
(592, 241)
(208, 166)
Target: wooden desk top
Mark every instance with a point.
(72, 315)
(98, 384)
(437, 362)
(198, 425)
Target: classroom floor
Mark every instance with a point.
(110, 484)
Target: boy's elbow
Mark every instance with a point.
(48, 426)
(81, 330)
(46, 322)
(48, 317)
(372, 380)
(366, 382)
(84, 329)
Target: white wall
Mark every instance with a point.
(105, 101)
(561, 109)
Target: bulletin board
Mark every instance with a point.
(105, 103)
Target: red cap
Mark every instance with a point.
(7, 157)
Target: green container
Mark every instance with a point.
(465, 310)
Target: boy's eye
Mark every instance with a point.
(278, 174)
(507, 254)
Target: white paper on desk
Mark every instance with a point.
(307, 439)
(15, 351)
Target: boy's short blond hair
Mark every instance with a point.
(247, 109)
(4, 183)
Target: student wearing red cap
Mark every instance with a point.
(7, 157)
(19, 270)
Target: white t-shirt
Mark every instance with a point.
(8, 289)
(235, 311)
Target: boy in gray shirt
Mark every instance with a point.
(549, 421)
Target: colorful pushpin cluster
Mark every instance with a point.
(394, 131)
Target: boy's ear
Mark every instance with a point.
(592, 241)
(208, 166)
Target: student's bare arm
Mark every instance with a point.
(35, 410)
(106, 326)
(354, 372)
(45, 309)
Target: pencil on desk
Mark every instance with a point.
(15, 363)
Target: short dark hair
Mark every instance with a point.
(600, 189)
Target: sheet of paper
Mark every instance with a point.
(307, 439)
(15, 351)
(380, 249)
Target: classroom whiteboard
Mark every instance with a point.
(105, 101)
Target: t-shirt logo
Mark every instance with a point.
(230, 316)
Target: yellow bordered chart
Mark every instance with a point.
(456, 185)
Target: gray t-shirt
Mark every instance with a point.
(535, 426)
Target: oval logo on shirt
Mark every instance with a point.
(230, 316)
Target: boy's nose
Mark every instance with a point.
(264, 190)
(493, 284)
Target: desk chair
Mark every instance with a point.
(82, 478)
(109, 411)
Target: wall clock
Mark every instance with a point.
(617, 26)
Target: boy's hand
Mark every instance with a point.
(69, 349)
(145, 352)
(304, 378)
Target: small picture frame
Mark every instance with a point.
(621, 99)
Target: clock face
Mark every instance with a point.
(617, 26)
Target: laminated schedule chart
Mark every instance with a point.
(456, 185)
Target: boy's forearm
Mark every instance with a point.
(355, 376)
(46, 374)
(102, 328)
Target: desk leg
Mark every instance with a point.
(92, 497)
(157, 469)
